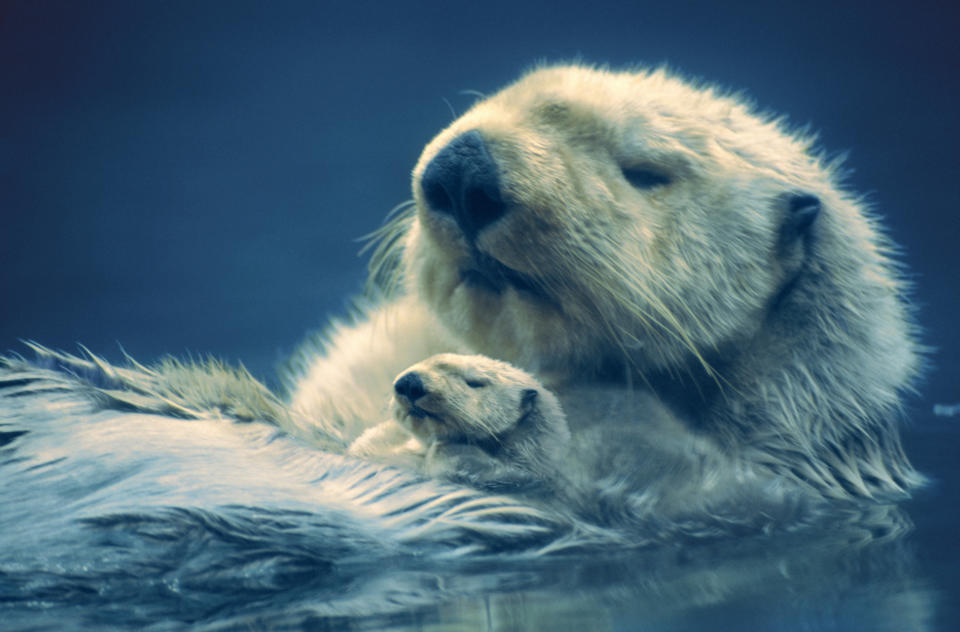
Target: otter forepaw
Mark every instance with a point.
(470, 465)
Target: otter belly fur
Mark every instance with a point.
(711, 308)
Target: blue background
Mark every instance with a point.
(191, 177)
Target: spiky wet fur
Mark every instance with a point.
(130, 420)
(202, 523)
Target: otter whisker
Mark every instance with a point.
(385, 269)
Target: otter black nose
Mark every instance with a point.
(462, 181)
(410, 386)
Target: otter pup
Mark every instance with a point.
(473, 420)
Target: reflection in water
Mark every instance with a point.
(249, 568)
(802, 582)
(122, 519)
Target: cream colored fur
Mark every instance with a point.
(780, 358)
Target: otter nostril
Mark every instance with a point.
(437, 197)
(410, 386)
(484, 206)
(462, 181)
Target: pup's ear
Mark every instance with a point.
(528, 399)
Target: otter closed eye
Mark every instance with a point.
(641, 178)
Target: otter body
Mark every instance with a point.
(688, 276)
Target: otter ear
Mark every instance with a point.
(799, 213)
(802, 210)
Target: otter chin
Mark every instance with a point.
(484, 273)
(666, 259)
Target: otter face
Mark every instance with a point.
(580, 215)
(462, 399)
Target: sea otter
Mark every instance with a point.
(689, 276)
(472, 420)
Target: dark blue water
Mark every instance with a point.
(186, 177)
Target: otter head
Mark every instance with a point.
(469, 399)
(580, 216)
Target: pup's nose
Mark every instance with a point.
(462, 181)
(410, 386)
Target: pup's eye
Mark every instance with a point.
(642, 178)
(475, 383)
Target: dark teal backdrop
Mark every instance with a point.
(191, 176)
